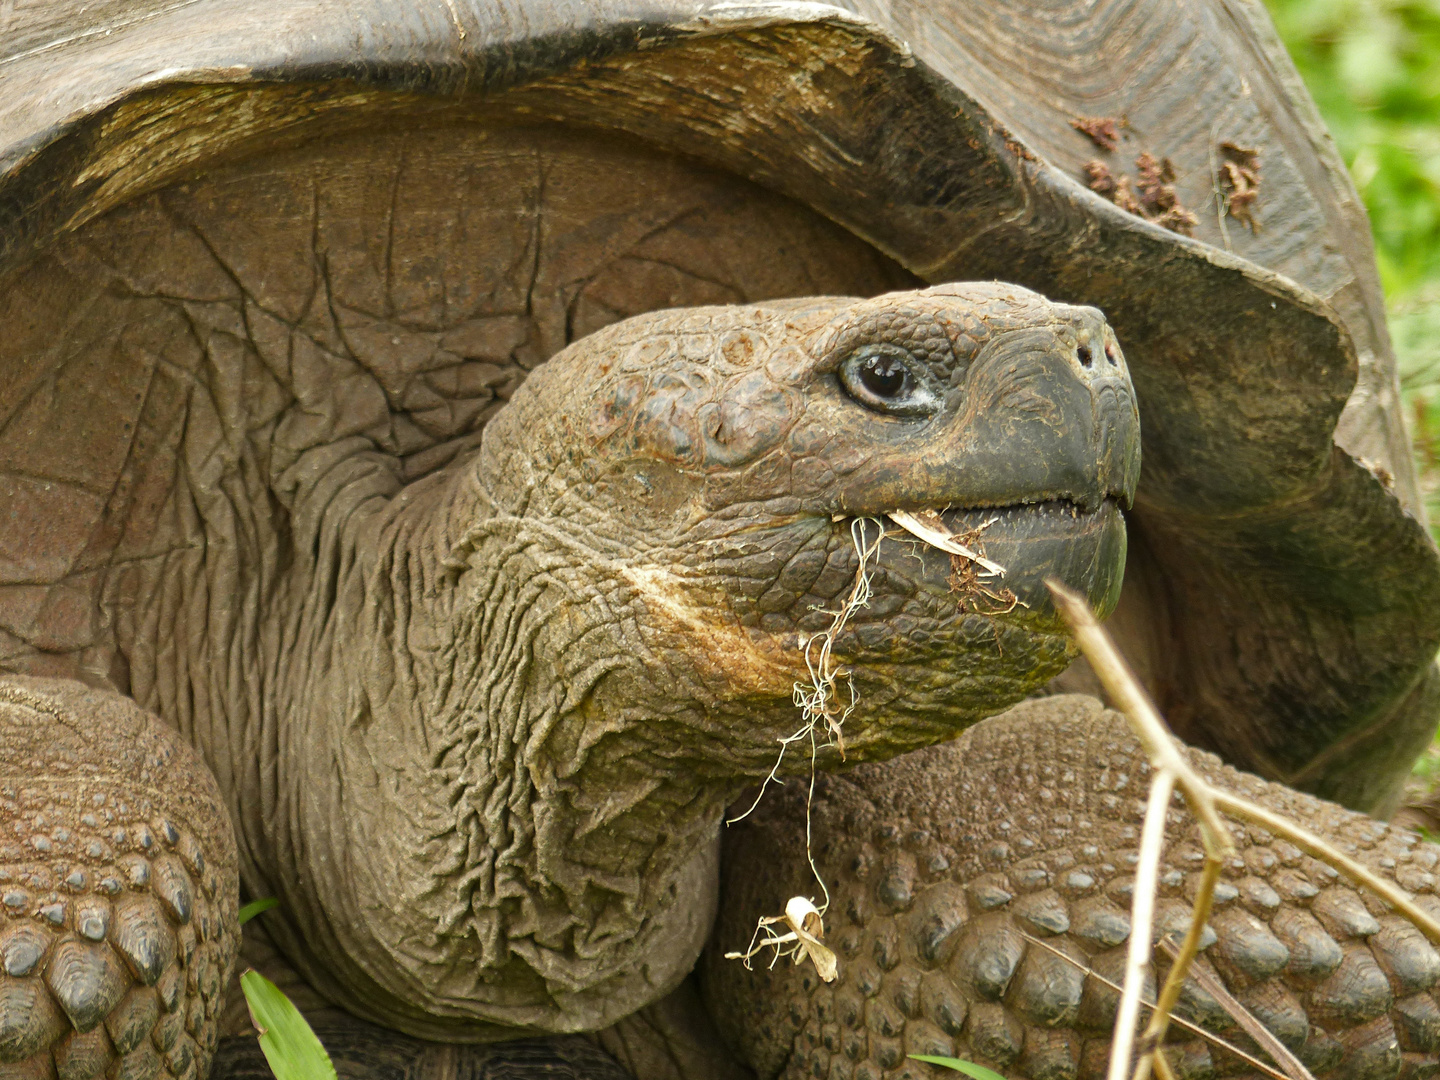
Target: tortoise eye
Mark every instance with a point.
(887, 379)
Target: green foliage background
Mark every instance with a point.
(1373, 67)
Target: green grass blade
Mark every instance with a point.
(256, 907)
(969, 1068)
(289, 1044)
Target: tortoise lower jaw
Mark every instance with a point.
(1085, 549)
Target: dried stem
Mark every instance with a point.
(1308, 842)
(1170, 993)
(1277, 1050)
(1142, 916)
(1172, 769)
(1179, 1021)
(1130, 698)
(1206, 803)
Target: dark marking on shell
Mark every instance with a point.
(1098, 920)
(1050, 1055)
(1247, 944)
(172, 886)
(1047, 989)
(22, 948)
(938, 913)
(143, 938)
(1173, 919)
(92, 918)
(1355, 993)
(1343, 913)
(995, 1033)
(1042, 913)
(1314, 954)
(168, 1031)
(1405, 956)
(171, 988)
(1371, 1051)
(1417, 1023)
(83, 1054)
(989, 955)
(1278, 1009)
(142, 1063)
(943, 1003)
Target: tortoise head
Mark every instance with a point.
(727, 470)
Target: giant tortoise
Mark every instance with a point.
(436, 432)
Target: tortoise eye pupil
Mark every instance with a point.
(886, 379)
(883, 376)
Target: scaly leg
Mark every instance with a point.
(117, 887)
(973, 884)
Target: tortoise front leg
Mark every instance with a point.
(973, 885)
(118, 889)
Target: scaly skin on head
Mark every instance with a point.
(575, 647)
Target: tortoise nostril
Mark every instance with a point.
(1110, 355)
(1083, 352)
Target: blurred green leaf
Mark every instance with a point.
(257, 907)
(969, 1068)
(1373, 67)
(289, 1044)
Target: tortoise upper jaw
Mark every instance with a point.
(1083, 548)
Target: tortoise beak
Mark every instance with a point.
(1035, 464)
(1034, 424)
(1083, 548)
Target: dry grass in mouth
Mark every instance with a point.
(972, 575)
(823, 716)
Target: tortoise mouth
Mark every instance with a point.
(1084, 548)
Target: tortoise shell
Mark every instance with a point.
(180, 182)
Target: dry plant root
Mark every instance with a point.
(823, 720)
(969, 568)
(803, 942)
(1171, 771)
(819, 713)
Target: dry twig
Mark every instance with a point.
(1168, 761)
(1311, 844)
(1179, 1021)
(1170, 993)
(1278, 1051)
(1142, 917)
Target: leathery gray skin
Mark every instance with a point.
(517, 695)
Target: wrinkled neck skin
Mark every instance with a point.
(501, 809)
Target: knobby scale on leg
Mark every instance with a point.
(980, 897)
(118, 891)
